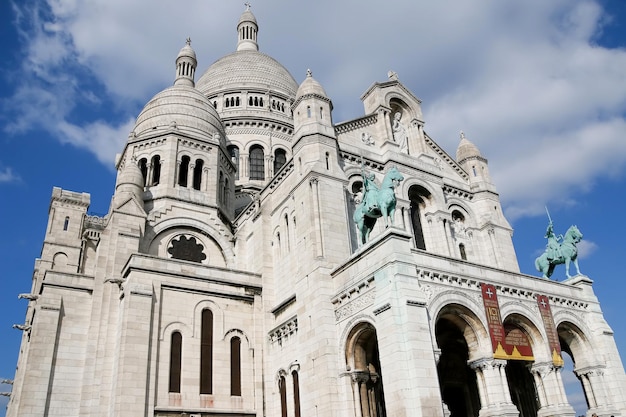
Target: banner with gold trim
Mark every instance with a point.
(548, 323)
(494, 321)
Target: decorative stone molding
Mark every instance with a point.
(283, 331)
(382, 309)
(354, 299)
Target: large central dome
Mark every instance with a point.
(249, 69)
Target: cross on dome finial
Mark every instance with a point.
(248, 5)
(309, 73)
(462, 135)
(188, 40)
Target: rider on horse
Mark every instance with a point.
(553, 248)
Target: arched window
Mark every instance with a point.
(183, 171)
(197, 174)
(418, 196)
(282, 387)
(296, 393)
(206, 352)
(226, 193)
(280, 158)
(257, 165)
(143, 167)
(308, 111)
(176, 349)
(235, 366)
(220, 189)
(237, 102)
(233, 151)
(66, 223)
(250, 101)
(462, 251)
(156, 169)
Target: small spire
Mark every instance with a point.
(462, 135)
(247, 31)
(309, 73)
(186, 65)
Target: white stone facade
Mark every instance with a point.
(229, 279)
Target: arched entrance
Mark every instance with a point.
(457, 381)
(363, 361)
(518, 374)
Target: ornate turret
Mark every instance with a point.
(247, 29)
(312, 109)
(470, 158)
(186, 65)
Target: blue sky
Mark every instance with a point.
(539, 87)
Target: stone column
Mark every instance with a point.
(493, 388)
(149, 170)
(244, 168)
(595, 390)
(190, 178)
(552, 398)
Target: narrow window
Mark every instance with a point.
(261, 102)
(296, 393)
(462, 250)
(321, 113)
(184, 171)
(215, 104)
(280, 157)
(143, 167)
(237, 102)
(235, 366)
(156, 169)
(308, 111)
(283, 396)
(226, 193)
(66, 223)
(220, 190)
(197, 174)
(234, 156)
(327, 161)
(416, 222)
(175, 361)
(250, 102)
(206, 353)
(257, 171)
(474, 170)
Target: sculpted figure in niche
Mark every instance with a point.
(400, 135)
(458, 226)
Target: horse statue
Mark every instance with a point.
(559, 253)
(376, 202)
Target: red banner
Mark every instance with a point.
(494, 321)
(551, 332)
(517, 344)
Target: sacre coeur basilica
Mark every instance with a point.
(260, 259)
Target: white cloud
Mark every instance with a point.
(8, 176)
(524, 79)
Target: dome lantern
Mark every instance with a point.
(186, 65)
(247, 30)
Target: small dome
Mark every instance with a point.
(249, 68)
(187, 51)
(310, 86)
(246, 17)
(130, 180)
(466, 149)
(131, 174)
(179, 107)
